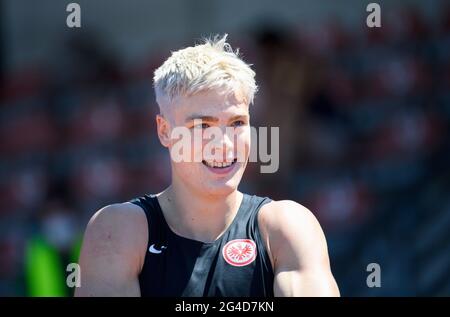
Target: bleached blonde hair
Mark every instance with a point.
(212, 65)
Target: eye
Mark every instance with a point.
(201, 126)
(238, 123)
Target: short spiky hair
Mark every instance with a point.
(207, 66)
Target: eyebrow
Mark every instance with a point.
(213, 119)
(239, 117)
(203, 118)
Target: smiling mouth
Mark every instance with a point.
(219, 165)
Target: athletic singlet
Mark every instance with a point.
(235, 265)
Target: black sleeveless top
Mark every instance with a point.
(235, 265)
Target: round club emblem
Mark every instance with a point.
(239, 252)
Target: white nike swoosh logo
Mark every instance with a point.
(152, 249)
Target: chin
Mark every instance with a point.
(207, 183)
(223, 189)
(219, 186)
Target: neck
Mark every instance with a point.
(198, 216)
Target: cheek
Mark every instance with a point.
(188, 171)
(186, 146)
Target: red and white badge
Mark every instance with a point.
(239, 252)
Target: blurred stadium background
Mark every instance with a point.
(363, 116)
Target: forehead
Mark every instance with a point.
(211, 103)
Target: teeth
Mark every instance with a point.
(218, 164)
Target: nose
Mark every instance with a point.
(223, 147)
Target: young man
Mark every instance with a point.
(201, 236)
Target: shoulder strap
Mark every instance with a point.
(256, 203)
(149, 204)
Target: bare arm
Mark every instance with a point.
(298, 251)
(113, 250)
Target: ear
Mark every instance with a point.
(163, 129)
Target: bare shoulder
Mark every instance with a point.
(120, 228)
(117, 220)
(291, 230)
(114, 213)
(286, 215)
(113, 251)
(298, 250)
